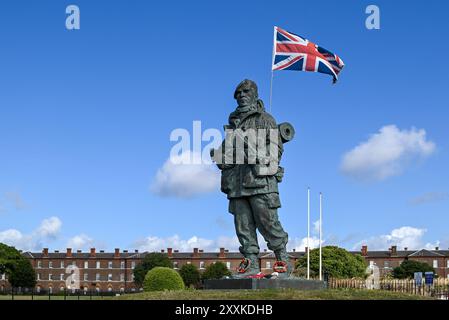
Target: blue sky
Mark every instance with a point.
(86, 116)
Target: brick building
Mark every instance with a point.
(113, 271)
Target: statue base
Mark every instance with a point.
(254, 284)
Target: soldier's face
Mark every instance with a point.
(245, 97)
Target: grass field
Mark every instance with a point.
(272, 294)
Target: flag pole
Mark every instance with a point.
(272, 64)
(321, 222)
(308, 233)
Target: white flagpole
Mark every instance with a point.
(321, 222)
(308, 233)
(272, 64)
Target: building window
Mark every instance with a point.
(38, 276)
(86, 264)
(371, 263)
(201, 264)
(133, 264)
(110, 264)
(268, 264)
(386, 264)
(448, 263)
(61, 277)
(50, 277)
(132, 276)
(39, 264)
(86, 277)
(110, 277)
(98, 264)
(188, 262)
(61, 288)
(435, 263)
(228, 264)
(122, 277)
(110, 289)
(175, 265)
(122, 264)
(97, 277)
(62, 264)
(50, 264)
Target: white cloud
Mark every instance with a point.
(299, 244)
(81, 241)
(429, 198)
(180, 176)
(386, 153)
(48, 230)
(153, 243)
(49, 227)
(402, 237)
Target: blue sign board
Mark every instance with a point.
(429, 278)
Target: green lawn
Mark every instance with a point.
(272, 294)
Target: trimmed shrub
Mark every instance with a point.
(162, 278)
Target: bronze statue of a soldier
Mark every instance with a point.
(251, 185)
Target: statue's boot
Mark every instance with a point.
(248, 268)
(282, 266)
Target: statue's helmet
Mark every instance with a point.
(246, 84)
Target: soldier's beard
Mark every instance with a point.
(247, 108)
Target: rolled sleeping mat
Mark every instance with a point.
(286, 131)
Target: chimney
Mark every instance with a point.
(393, 250)
(306, 249)
(405, 249)
(125, 251)
(176, 251)
(92, 252)
(170, 252)
(294, 250)
(364, 251)
(117, 253)
(201, 251)
(45, 252)
(226, 251)
(69, 253)
(101, 251)
(195, 252)
(56, 251)
(162, 250)
(136, 251)
(78, 251)
(437, 248)
(222, 253)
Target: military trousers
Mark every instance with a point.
(258, 212)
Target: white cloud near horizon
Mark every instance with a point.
(386, 153)
(185, 176)
(403, 237)
(81, 241)
(48, 230)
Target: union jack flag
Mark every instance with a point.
(292, 52)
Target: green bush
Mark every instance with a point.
(162, 278)
(408, 268)
(216, 270)
(337, 263)
(151, 260)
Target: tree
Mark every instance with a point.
(19, 270)
(408, 268)
(337, 263)
(216, 270)
(151, 260)
(190, 275)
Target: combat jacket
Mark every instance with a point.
(241, 180)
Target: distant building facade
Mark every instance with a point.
(113, 271)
